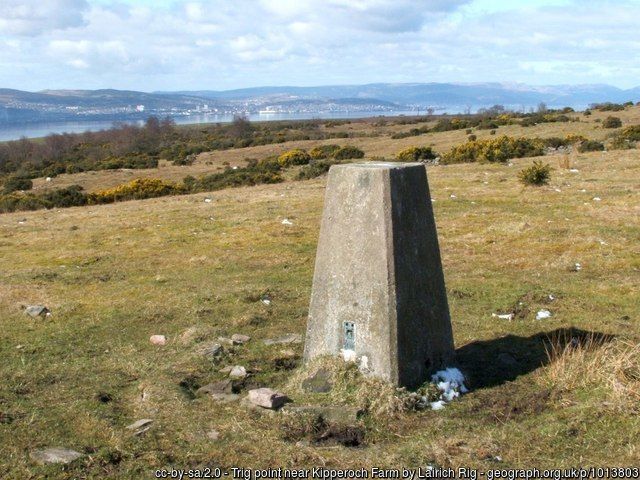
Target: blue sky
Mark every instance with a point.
(187, 45)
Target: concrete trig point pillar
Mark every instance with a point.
(378, 286)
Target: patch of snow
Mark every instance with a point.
(207, 200)
(450, 382)
(542, 314)
(48, 179)
(577, 267)
(286, 221)
(453, 196)
(266, 301)
(583, 191)
(574, 170)
(596, 199)
(551, 297)
(557, 190)
(348, 355)
(602, 242)
(503, 316)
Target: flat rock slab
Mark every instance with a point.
(36, 311)
(285, 339)
(140, 426)
(221, 387)
(340, 414)
(55, 455)
(319, 382)
(267, 398)
(239, 339)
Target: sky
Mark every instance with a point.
(152, 45)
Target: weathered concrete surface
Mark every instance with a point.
(378, 267)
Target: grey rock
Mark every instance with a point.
(319, 382)
(333, 414)
(225, 397)
(55, 455)
(267, 398)
(239, 339)
(285, 339)
(223, 386)
(212, 351)
(238, 372)
(36, 311)
(140, 426)
(378, 286)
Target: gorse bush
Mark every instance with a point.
(626, 138)
(296, 156)
(136, 190)
(348, 152)
(415, 154)
(14, 184)
(612, 122)
(72, 196)
(499, 149)
(537, 174)
(323, 151)
(314, 169)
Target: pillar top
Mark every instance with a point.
(380, 165)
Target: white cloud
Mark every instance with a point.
(33, 17)
(221, 44)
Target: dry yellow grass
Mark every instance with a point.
(115, 274)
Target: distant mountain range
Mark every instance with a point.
(18, 106)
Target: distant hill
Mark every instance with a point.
(18, 106)
(436, 94)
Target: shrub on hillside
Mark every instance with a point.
(416, 154)
(314, 169)
(537, 174)
(296, 156)
(323, 151)
(612, 122)
(499, 149)
(14, 184)
(626, 138)
(348, 152)
(590, 146)
(65, 197)
(136, 190)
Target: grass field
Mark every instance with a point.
(113, 275)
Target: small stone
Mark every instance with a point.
(223, 386)
(207, 200)
(239, 338)
(158, 339)
(238, 372)
(267, 398)
(55, 455)
(213, 435)
(212, 351)
(226, 369)
(286, 221)
(36, 311)
(225, 340)
(289, 338)
(319, 382)
(140, 426)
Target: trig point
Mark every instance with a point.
(378, 287)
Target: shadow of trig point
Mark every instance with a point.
(378, 288)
